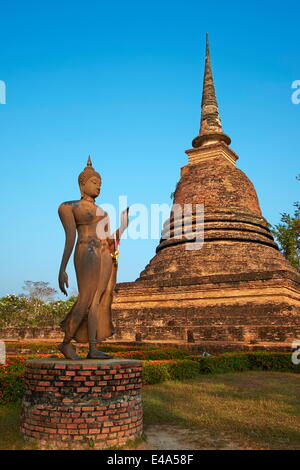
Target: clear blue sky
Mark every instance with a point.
(121, 81)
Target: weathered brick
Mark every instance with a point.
(61, 414)
(94, 431)
(82, 390)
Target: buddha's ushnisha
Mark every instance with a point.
(95, 260)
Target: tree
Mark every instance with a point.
(287, 234)
(39, 290)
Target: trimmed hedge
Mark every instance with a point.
(154, 372)
(160, 371)
(183, 370)
(273, 361)
(224, 363)
(157, 354)
(157, 371)
(33, 348)
(229, 362)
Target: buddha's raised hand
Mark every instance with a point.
(124, 219)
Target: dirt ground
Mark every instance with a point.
(167, 437)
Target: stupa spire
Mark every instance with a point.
(210, 128)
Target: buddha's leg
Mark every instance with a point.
(98, 312)
(78, 313)
(75, 319)
(106, 327)
(87, 266)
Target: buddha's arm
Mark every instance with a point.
(66, 215)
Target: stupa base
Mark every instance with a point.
(257, 307)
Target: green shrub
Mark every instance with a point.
(183, 369)
(224, 363)
(238, 362)
(11, 388)
(176, 353)
(154, 373)
(31, 348)
(272, 361)
(157, 354)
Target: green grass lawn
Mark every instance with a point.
(10, 437)
(257, 410)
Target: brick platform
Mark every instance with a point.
(71, 402)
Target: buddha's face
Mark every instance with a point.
(91, 187)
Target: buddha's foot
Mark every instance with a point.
(95, 354)
(68, 351)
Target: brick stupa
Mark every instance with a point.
(238, 289)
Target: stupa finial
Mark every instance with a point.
(210, 128)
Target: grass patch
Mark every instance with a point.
(259, 410)
(10, 436)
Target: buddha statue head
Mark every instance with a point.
(89, 181)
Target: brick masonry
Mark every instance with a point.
(68, 403)
(262, 307)
(48, 333)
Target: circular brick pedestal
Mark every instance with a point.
(82, 403)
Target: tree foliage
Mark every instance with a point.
(287, 234)
(19, 311)
(37, 308)
(39, 290)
